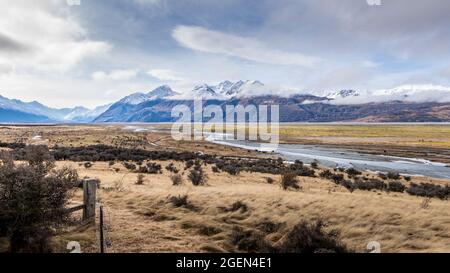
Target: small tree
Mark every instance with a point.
(289, 180)
(140, 179)
(197, 176)
(33, 196)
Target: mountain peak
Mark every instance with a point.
(342, 94)
(163, 91)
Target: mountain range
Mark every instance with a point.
(408, 103)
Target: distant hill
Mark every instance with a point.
(14, 116)
(408, 103)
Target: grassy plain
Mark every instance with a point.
(141, 218)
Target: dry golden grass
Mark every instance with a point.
(143, 219)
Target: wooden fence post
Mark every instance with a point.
(89, 198)
(102, 236)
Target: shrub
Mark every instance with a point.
(289, 180)
(348, 185)
(209, 230)
(153, 168)
(239, 205)
(215, 169)
(197, 177)
(270, 180)
(129, 166)
(395, 186)
(177, 179)
(268, 226)
(140, 179)
(189, 164)
(393, 175)
(326, 174)
(429, 190)
(314, 165)
(407, 178)
(231, 169)
(172, 168)
(371, 184)
(33, 196)
(249, 241)
(181, 201)
(353, 172)
(382, 176)
(88, 165)
(311, 238)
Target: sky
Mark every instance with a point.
(102, 50)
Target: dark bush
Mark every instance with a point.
(88, 165)
(348, 185)
(249, 241)
(311, 238)
(140, 179)
(371, 184)
(268, 226)
(393, 175)
(129, 166)
(215, 169)
(395, 186)
(33, 196)
(270, 180)
(429, 190)
(314, 165)
(382, 176)
(353, 172)
(289, 180)
(177, 180)
(189, 164)
(197, 177)
(231, 169)
(171, 168)
(236, 206)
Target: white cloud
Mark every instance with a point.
(164, 75)
(41, 36)
(209, 41)
(115, 75)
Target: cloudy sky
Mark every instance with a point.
(102, 50)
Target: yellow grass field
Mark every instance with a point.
(143, 220)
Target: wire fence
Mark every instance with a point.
(104, 230)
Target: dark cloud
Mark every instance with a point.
(10, 45)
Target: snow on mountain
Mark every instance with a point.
(134, 99)
(205, 92)
(225, 90)
(158, 93)
(161, 92)
(405, 93)
(82, 114)
(416, 93)
(342, 94)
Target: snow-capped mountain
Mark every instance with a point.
(416, 93)
(38, 112)
(205, 92)
(82, 114)
(158, 93)
(226, 90)
(342, 94)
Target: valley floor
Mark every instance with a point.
(142, 218)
